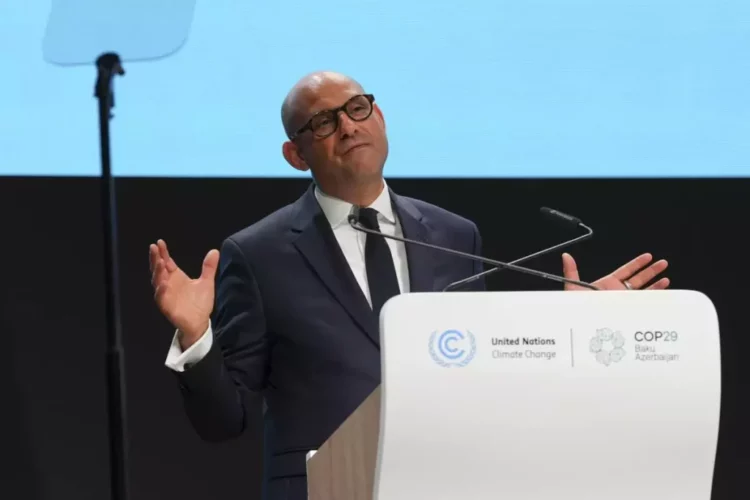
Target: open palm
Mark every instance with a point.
(187, 303)
(634, 273)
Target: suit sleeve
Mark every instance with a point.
(478, 285)
(224, 386)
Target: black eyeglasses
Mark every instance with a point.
(324, 123)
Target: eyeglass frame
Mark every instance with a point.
(336, 119)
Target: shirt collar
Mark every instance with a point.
(337, 211)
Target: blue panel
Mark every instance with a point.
(477, 88)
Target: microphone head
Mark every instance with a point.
(557, 215)
(353, 217)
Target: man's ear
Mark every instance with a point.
(379, 112)
(293, 157)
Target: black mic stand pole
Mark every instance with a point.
(108, 65)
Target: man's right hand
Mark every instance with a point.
(187, 303)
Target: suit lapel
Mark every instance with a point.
(317, 244)
(420, 259)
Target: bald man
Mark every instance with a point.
(293, 321)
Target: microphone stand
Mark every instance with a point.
(108, 65)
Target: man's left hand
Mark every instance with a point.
(632, 276)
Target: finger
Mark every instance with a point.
(660, 285)
(632, 267)
(164, 252)
(639, 280)
(570, 270)
(153, 257)
(154, 274)
(160, 274)
(210, 264)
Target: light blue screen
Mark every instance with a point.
(472, 88)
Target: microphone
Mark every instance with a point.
(549, 212)
(354, 223)
(556, 214)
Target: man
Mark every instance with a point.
(298, 294)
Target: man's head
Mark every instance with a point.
(336, 131)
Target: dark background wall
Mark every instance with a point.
(52, 385)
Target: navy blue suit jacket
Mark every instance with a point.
(293, 329)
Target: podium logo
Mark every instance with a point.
(452, 348)
(607, 346)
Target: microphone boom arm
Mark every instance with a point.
(470, 279)
(540, 274)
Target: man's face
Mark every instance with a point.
(347, 145)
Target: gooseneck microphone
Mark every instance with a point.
(354, 223)
(554, 214)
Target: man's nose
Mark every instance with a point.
(347, 126)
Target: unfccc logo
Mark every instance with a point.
(607, 346)
(452, 348)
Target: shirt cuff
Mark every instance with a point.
(178, 360)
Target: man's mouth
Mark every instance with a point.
(355, 147)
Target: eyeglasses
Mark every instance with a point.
(324, 123)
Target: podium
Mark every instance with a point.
(534, 396)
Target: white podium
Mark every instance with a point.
(534, 396)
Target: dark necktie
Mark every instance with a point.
(381, 271)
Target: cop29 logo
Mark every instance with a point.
(607, 346)
(452, 348)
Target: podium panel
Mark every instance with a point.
(535, 396)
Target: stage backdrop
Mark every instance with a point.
(51, 308)
(542, 88)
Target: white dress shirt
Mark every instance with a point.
(352, 243)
